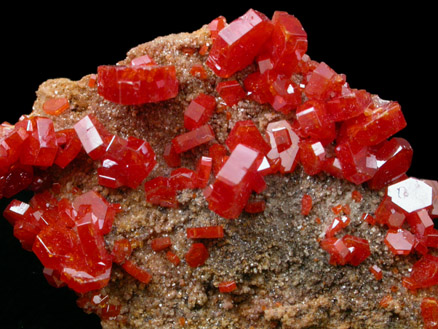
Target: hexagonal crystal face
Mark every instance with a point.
(411, 194)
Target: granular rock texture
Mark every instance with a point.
(283, 276)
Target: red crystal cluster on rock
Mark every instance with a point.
(67, 237)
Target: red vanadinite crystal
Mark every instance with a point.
(429, 312)
(314, 122)
(312, 156)
(199, 111)
(284, 144)
(433, 211)
(17, 179)
(137, 272)
(347, 250)
(197, 255)
(40, 148)
(92, 134)
(286, 46)
(389, 214)
(400, 241)
(69, 147)
(162, 243)
(183, 178)
(247, 133)
(125, 162)
(173, 258)
(424, 273)
(337, 225)
(229, 193)
(193, 138)
(121, 251)
(237, 44)
(203, 171)
(227, 286)
(230, 91)
(394, 159)
(158, 191)
(255, 207)
(306, 204)
(349, 104)
(215, 26)
(142, 60)
(56, 106)
(380, 121)
(324, 83)
(219, 154)
(420, 223)
(207, 232)
(139, 84)
(198, 71)
(356, 196)
(377, 272)
(171, 158)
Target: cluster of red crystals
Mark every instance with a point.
(424, 273)
(137, 84)
(124, 162)
(429, 312)
(337, 225)
(237, 44)
(346, 250)
(67, 237)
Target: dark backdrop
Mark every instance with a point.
(387, 51)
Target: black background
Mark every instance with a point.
(385, 50)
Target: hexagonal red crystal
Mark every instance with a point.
(229, 193)
(389, 214)
(193, 138)
(237, 44)
(312, 156)
(230, 91)
(314, 121)
(199, 111)
(400, 241)
(139, 84)
(197, 255)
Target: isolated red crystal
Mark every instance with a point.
(230, 191)
(56, 106)
(206, 232)
(377, 272)
(159, 244)
(173, 258)
(284, 144)
(230, 91)
(227, 286)
(92, 135)
(306, 204)
(193, 138)
(139, 84)
(400, 241)
(255, 207)
(197, 255)
(137, 272)
(69, 147)
(40, 147)
(203, 171)
(429, 312)
(237, 44)
(121, 251)
(247, 133)
(199, 111)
